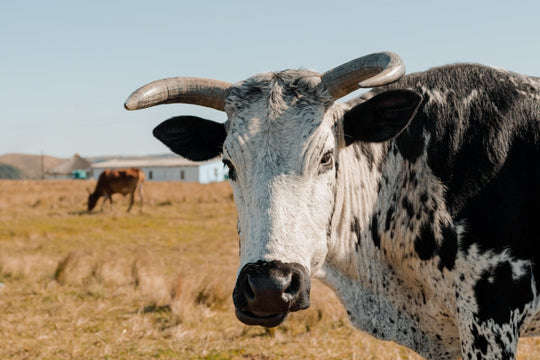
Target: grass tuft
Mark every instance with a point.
(76, 268)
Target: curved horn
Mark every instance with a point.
(187, 90)
(368, 71)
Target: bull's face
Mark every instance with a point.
(281, 145)
(281, 155)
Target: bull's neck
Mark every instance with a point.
(357, 193)
(379, 211)
(98, 191)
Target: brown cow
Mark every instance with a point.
(123, 181)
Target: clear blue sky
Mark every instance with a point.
(66, 67)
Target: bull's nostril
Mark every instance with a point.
(294, 285)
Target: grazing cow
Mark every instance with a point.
(418, 202)
(123, 181)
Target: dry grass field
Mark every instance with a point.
(156, 285)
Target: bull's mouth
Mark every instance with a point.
(270, 320)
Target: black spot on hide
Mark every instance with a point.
(448, 249)
(498, 294)
(355, 228)
(480, 341)
(408, 207)
(375, 231)
(425, 244)
(388, 221)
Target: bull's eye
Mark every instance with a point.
(232, 171)
(327, 161)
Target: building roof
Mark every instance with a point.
(146, 163)
(68, 166)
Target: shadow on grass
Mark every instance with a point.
(81, 212)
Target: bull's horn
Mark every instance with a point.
(188, 90)
(368, 71)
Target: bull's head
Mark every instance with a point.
(281, 144)
(92, 200)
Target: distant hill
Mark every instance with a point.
(29, 166)
(10, 172)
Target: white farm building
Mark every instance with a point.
(168, 169)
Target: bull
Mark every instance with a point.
(417, 202)
(117, 181)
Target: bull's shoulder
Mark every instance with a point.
(477, 131)
(471, 119)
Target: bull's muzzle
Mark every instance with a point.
(266, 292)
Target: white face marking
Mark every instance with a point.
(283, 155)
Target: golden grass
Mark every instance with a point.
(155, 285)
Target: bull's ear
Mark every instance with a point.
(192, 137)
(382, 117)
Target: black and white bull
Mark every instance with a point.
(418, 203)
